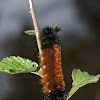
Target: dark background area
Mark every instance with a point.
(80, 41)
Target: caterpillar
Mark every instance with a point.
(50, 62)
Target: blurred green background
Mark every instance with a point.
(80, 41)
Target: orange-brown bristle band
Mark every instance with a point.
(48, 36)
(50, 61)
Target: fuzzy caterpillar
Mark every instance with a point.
(50, 62)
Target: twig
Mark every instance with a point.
(36, 73)
(35, 25)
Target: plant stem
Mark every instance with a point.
(35, 25)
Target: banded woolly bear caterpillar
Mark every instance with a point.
(50, 62)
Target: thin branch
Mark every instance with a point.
(36, 73)
(35, 24)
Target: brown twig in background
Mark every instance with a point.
(35, 25)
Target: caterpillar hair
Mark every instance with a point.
(50, 62)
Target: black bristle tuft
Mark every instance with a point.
(56, 95)
(48, 37)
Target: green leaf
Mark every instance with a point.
(14, 65)
(81, 79)
(57, 28)
(30, 32)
